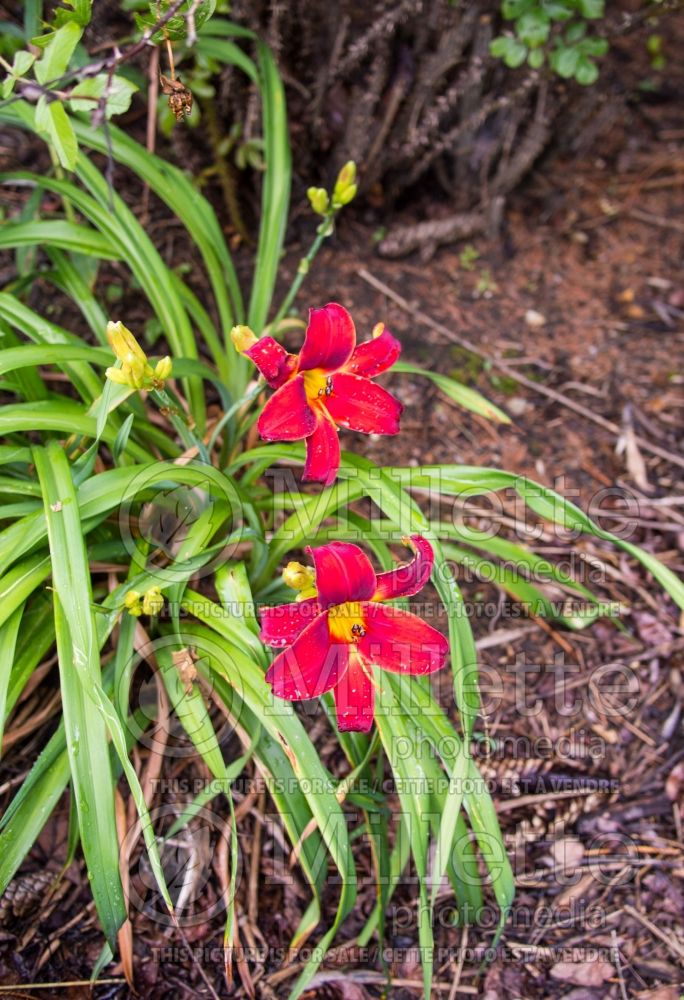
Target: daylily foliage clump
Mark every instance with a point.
(95, 476)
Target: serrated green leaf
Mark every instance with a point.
(80, 13)
(21, 64)
(57, 53)
(119, 93)
(176, 26)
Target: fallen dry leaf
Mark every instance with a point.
(348, 990)
(583, 973)
(651, 630)
(674, 782)
(535, 319)
(636, 465)
(184, 662)
(567, 853)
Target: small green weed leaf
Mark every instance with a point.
(57, 53)
(52, 121)
(118, 94)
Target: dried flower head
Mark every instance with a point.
(180, 98)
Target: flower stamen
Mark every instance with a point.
(346, 622)
(317, 383)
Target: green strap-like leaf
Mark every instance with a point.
(469, 399)
(79, 665)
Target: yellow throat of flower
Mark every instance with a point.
(317, 384)
(346, 622)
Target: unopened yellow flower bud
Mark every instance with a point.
(347, 174)
(124, 344)
(319, 200)
(132, 603)
(119, 376)
(163, 369)
(305, 594)
(345, 186)
(153, 601)
(297, 576)
(346, 195)
(135, 370)
(243, 338)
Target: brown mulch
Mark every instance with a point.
(583, 294)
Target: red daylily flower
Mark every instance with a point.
(326, 386)
(334, 639)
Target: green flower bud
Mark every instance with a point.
(153, 601)
(347, 175)
(297, 576)
(319, 200)
(345, 196)
(345, 186)
(243, 338)
(135, 371)
(162, 369)
(132, 603)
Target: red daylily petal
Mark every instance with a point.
(343, 573)
(330, 339)
(401, 642)
(272, 360)
(407, 580)
(310, 666)
(355, 696)
(322, 451)
(281, 625)
(360, 405)
(287, 415)
(374, 356)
